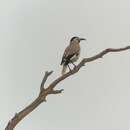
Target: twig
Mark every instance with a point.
(56, 91)
(44, 92)
(47, 74)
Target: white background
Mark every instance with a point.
(33, 36)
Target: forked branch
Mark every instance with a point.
(44, 92)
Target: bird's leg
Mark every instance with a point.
(73, 64)
(69, 67)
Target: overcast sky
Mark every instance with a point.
(33, 36)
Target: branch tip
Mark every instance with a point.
(49, 73)
(56, 91)
(46, 75)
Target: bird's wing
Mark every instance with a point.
(70, 51)
(65, 55)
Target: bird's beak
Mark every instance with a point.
(81, 39)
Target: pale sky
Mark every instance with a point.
(33, 36)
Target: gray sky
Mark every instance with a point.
(33, 35)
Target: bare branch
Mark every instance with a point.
(50, 89)
(47, 74)
(82, 63)
(56, 91)
(101, 54)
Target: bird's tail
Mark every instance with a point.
(64, 69)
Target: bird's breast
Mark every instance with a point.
(75, 57)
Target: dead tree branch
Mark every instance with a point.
(47, 74)
(44, 92)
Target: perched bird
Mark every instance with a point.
(71, 53)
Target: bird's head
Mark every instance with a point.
(76, 39)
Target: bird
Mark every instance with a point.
(71, 53)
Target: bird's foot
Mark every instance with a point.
(73, 64)
(69, 68)
(75, 67)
